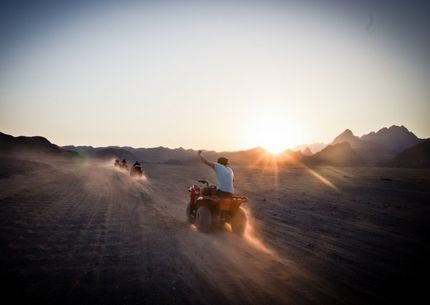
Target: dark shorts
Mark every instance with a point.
(223, 194)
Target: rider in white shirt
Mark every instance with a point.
(224, 174)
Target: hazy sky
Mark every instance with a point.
(221, 75)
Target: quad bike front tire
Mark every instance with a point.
(238, 222)
(203, 219)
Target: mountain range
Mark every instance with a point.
(378, 147)
(31, 146)
(394, 146)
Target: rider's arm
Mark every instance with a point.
(205, 161)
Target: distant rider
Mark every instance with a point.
(224, 175)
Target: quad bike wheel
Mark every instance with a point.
(203, 219)
(190, 218)
(238, 222)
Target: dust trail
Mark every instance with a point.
(251, 237)
(101, 177)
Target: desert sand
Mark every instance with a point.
(83, 232)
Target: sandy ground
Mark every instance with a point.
(87, 233)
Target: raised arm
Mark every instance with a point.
(204, 160)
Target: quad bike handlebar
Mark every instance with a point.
(203, 182)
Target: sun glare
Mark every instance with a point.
(272, 133)
(273, 143)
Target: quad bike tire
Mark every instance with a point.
(190, 219)
(238, 222)
(203, 219)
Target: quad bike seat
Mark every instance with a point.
(208, 190)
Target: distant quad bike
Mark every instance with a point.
(136, 171)
(208, 211)
(116, 163)
(123, 164)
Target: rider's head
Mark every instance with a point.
(223, 161)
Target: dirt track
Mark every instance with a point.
(89, 234)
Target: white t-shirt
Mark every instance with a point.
(224, 178)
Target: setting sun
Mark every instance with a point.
(273, 142)
(273, 132)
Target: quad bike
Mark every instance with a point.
(208, 210)
(136, 171)
(116, 163)
(123, 165)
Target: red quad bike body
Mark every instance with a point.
(207, 210)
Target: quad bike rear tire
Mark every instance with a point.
(203, 219)
(190, 218)
(238, 222)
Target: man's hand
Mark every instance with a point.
(204, 160)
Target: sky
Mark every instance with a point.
(222, 75)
